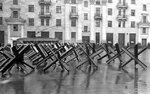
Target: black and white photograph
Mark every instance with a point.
(74, 46)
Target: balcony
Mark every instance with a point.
(122, 5)
(98, 16)
(45, 15)
(43, 2)
(144, 24)
(122, 17)
(74, 15)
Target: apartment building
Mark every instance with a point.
(96, 21)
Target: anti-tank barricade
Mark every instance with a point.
(48, 55)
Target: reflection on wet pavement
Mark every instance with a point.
(105, 80)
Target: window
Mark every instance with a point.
(73, 35)
(119, 23)
(44, 34)
(85, 3)
(132, 1)
(98, 10)
(132, 12)
(144, 7)
(124, 2)
(31, 8)
(109, 11)
(85, 29)
(119, 1)
(15, 2)
(132, 24)
(73, 22)
(124, 12)
(59, 35)
(97, 22)
(119, 12)
(58, 9)
(47, 8)
(1, 20)
(15, 27)
(31, 21)
(15, 14)
(42, 8)
(124, 24)
(1, 6)
(109, 23)
(109, 1)
(97, 37)
(143, 30)
(73, 1)
(73, 9)
(144, 19)
(47, 22)
(30, 34)
(97, 2)
(58, 22)
(42, 22)
(85, 16)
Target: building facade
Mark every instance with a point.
(96, 21)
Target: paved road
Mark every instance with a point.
(105, 80)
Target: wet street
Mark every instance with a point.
(105, 80)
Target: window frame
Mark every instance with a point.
(14, 15)
(144, 18)
(31, 21)
(119, 24)
(110, 11)
(42, 22)
(144, 7)
(73, 1)
(132, 11)
(73, 9)
(85, 29)
(109, 23)
(73, 23)
(17, 27)
(85, 16)
(97, 23)
(144, 30)
(31, 8)
(42, 8)
(15, 2)
(98, 10)
(85, 3)
(1, 6)
(119, 12)
(97, 2)
(73, 35)
(123, 24)
(47, 22)
(58, 9)
(33, 34)
(1, 20)
(132, 24)
(58, 22)
(109, 1)
(133, 1)
(47, 8)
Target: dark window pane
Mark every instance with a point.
(45, 34)
(31, 34)
(59, 35)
